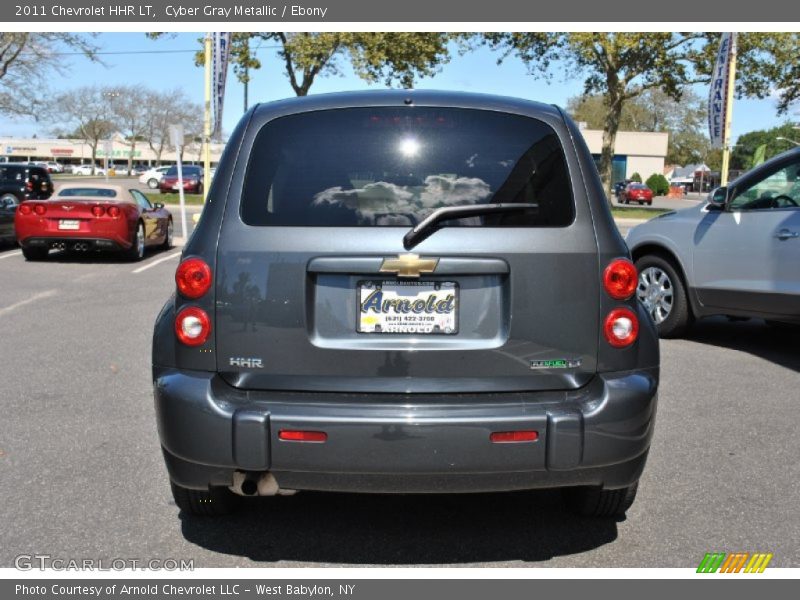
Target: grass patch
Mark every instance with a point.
(624, 212)
(193, 199)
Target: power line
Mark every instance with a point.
(121, 52)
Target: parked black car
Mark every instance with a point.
(22, 182)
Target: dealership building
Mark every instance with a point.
(640, 152)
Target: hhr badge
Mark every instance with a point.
(409, 265)
(250, 363)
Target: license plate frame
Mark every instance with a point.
(410, 323)
(69, 224)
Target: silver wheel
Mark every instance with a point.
(170, 233)
(139, 241)
(656, 293)
(152, 183)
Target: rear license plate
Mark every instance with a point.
(68, 224)
(413, 307)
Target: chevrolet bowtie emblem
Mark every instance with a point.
(67, 207)
(409, 265)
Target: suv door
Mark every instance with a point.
(747, 258)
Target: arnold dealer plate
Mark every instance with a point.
(409, 307)
(68, 224)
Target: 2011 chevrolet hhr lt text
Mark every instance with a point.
(405, 292)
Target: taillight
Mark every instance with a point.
(24, 209)
(40, 209)
(98, 211)
(621, 327)
(113, 211)
(620, 279)
(192, 326)
(293, 435)
(193, 278)
(513, 437)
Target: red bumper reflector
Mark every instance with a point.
(510, 437)
(291, 435)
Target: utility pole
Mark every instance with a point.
(246, 78)
(207, 120)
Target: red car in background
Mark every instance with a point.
(636, 192)
(192, 180)
(94, 217)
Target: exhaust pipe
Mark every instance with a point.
(257, 484)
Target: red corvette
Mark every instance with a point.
(82, 218)
(636, 192)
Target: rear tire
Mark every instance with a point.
(679, 316)
(152, 183)
(597, 502)
(168, 238)
(35, 254)
(136, 251)
(213, 502)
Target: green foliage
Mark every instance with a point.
(636, 177)
(658, 184)
(393, 58)
(622, 66)
(748, 143)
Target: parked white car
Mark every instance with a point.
(87, 170)
(153, 176)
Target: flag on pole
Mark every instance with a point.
(220, 55)
(717, 105)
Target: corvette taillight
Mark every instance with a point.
(113, 211)
(98, 211)
(192, 326)
(40, 209)
(193, 278)
(25, 209)
(621, 327)
(620, 279)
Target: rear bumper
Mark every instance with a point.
(69, 242)
(597, 435)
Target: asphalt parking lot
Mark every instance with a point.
(83, 476)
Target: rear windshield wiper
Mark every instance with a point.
(429, 224)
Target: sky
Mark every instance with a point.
(169, 63)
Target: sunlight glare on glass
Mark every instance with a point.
(409, 147)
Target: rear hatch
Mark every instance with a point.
(315, 290)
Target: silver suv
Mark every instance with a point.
(737, 254)
(405, 292)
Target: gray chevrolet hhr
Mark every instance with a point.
(405, 292)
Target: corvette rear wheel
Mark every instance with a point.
(168, 237)
(136, 251)
(35, 254)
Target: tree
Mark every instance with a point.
(685, 120)
(26, 60)
(130, 115)
(396, 58)
(164, 108)
(746, 144)
(658, 184)
(86, 113)
(622, 66)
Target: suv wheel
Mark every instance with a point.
(663, 295)
(206, 503)
(597, 502)
(35, 254)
